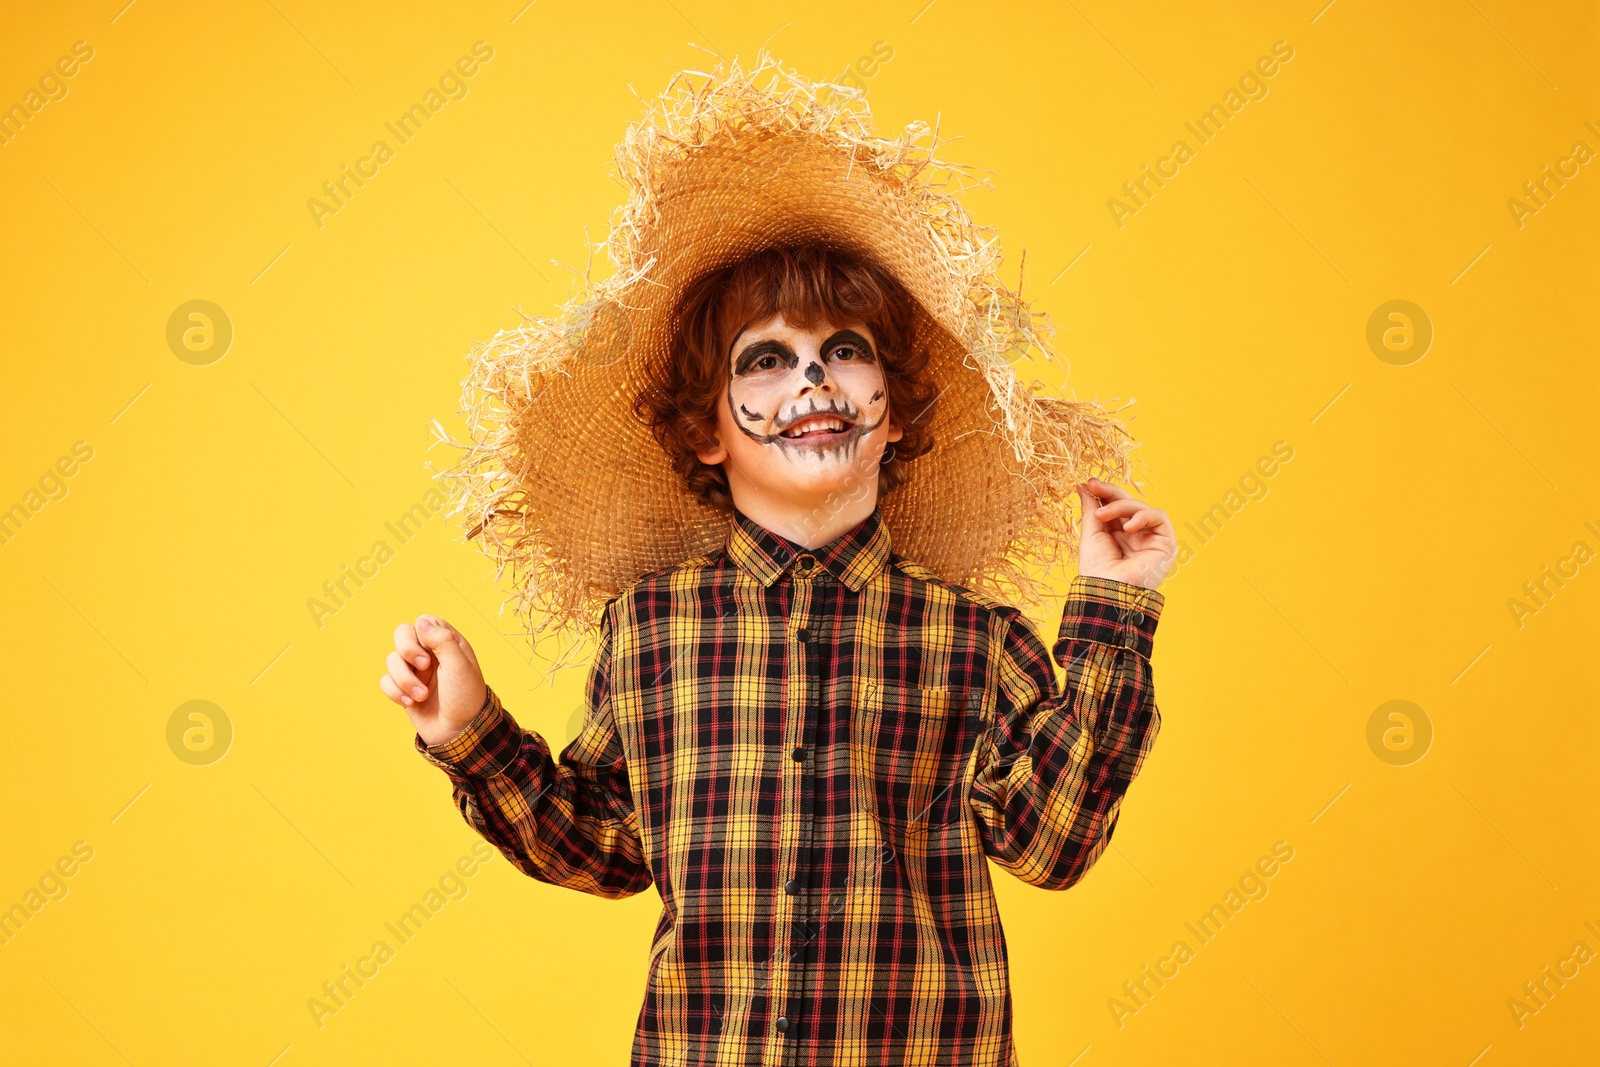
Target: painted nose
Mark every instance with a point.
(814, 373)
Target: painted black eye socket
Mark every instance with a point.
(771, 362)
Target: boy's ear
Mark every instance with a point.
(896, 431)
(713, 453)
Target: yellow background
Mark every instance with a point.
(1233, 307)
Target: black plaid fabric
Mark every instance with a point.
(813, 755)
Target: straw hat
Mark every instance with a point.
(568, 491)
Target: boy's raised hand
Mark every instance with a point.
(434, 675)
(1121, 538)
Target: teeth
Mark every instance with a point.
(814, 423)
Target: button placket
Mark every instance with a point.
(794, 833)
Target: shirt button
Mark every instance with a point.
(798, 755)
(803, 634)
(783, 1024)
(791, 887)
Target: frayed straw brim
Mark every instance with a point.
(570, 493)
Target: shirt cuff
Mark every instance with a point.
(1112, 613)
(484, 749)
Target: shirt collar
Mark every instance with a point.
(852, 557)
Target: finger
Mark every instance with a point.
(1118, 509)
(1106, 491)
(392, 691)
(1146, 518)
(441, 638)
(405, 643)
(403, 677)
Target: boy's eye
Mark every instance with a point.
(766, 363)
(845, 352)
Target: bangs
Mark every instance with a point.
(808, 287)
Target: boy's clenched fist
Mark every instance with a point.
(434, 675)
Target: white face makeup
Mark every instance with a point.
(814, 401)
(804, 417)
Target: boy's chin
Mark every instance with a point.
(835, 482)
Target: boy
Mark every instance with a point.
(811, 743)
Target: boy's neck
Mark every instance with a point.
(807, 525)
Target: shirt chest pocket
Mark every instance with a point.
(909, 750)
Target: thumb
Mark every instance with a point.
(1091, 522)
(447, 645)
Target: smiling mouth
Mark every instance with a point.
(817, 428)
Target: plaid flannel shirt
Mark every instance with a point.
(813, 755)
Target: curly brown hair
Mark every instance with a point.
(807, 285)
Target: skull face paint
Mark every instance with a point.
(814, 403)
(803, 425)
